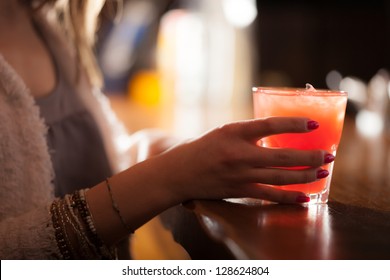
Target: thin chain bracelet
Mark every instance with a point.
(116, 208)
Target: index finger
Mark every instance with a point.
(258, 128)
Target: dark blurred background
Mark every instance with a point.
(302, 41)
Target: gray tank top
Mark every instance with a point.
(75, 144)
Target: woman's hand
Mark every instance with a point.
(226, 162)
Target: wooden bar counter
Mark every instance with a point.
(354, 224)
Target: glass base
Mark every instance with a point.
(319, 198)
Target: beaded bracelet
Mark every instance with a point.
(71, 215)
(81, 206)
(116, 208)
(76, 225)
(62, 216)
(88, 215)
(59, 232)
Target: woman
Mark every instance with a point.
(59, 142)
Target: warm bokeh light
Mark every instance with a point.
(333, 80)
(205, 65)
(357, 90)
(369, 123)
(118, 51)
(240, 13)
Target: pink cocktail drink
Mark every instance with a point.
(325, 107)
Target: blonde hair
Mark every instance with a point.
(79, 20)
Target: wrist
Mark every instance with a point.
(138, 194)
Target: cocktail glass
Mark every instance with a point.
(324, 106)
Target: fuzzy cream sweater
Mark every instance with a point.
(26, 191)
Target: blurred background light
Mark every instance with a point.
(357, 90)
(240, 13)
(369, 123)
(118, 52)
(333, 80)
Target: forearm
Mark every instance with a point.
(140, 193)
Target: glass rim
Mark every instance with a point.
(291, 91)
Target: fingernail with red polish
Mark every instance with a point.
(328, 158)
(322, 173)
(302, 199)
(312, 125)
